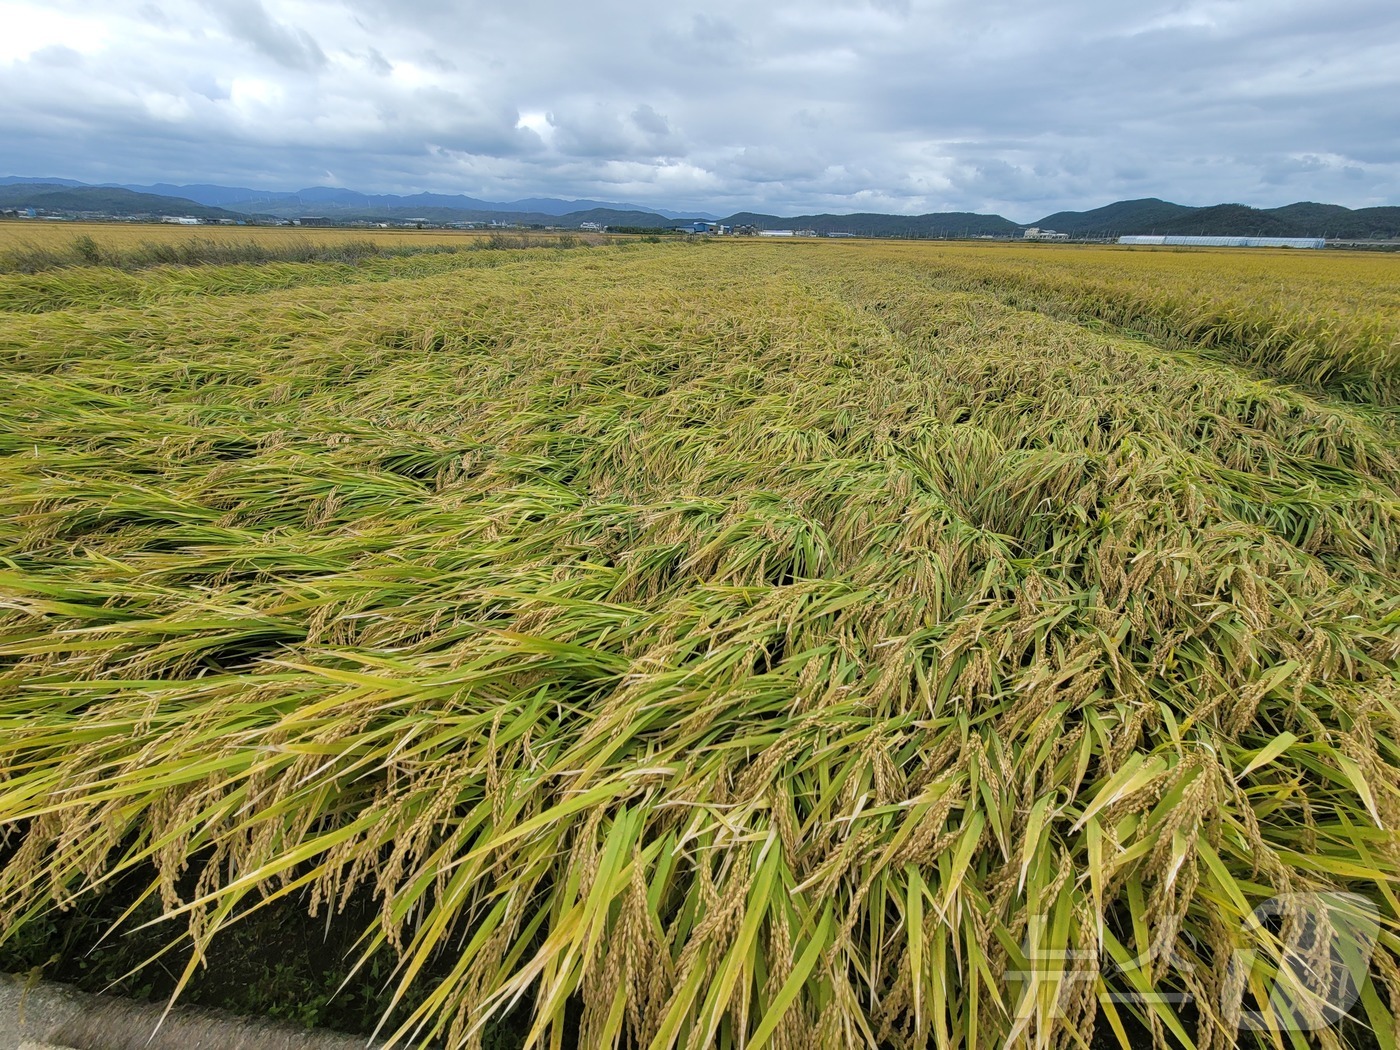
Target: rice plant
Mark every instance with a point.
(1331, 321)
(758, 645)
(27, 249)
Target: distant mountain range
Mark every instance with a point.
(330, 201)
(1304, 219)
(875, 224)
(1149, 215)
(55, 197)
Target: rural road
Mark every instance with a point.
(30, 1016)
(47, 1015)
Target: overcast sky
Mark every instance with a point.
(1014, 106)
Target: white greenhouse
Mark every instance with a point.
(1228, 242)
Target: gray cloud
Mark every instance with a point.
(650, 121)
(248, 20)
(56, 56)
(377, 63)
(840, 105)
(153, 14)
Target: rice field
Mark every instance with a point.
(17, 236)
(730, 644)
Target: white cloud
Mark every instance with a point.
(29, 28)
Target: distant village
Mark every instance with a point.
(718, 229)
(44, 215)
(696, 228)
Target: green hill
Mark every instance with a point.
(1150, 215)
(1331, 220)
(103, 200)
(1138, 216)
(870, 224)
(1314, 215)
(1238, 220)
(604, 216)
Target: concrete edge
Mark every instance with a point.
(45, 1015)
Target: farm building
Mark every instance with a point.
(701, 226)
(1035, 233)
(1228, 242)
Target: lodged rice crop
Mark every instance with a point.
(720, 645)
(57, 240)
(100, 250)
(1329, 320)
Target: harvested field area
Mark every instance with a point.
(733, 644)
